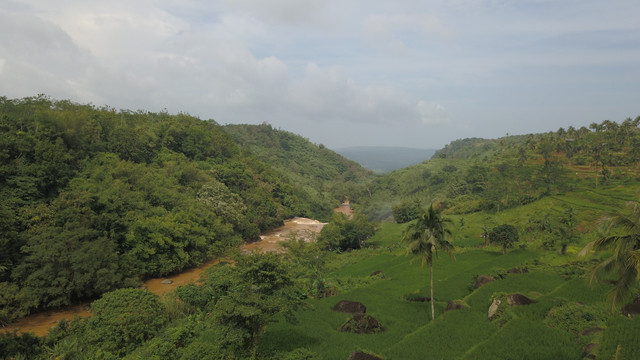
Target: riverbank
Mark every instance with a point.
(41, 322)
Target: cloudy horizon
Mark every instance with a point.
(409, 73)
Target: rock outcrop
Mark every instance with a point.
(359, 355)
(453, 305)
(362, 324)
(519, 299)
(483, 279)
(351, 307)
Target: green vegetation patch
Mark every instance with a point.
(448, 337)
(620, 339)
(526, 339)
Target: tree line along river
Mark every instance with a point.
(41, 322)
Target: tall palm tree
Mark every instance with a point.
(624, 262)
(425, 237)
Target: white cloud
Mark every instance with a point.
(283, 12)
(329, 95)
(39, 57)
(392, 31)
(159, 62)
(432, 114)
(303, 64)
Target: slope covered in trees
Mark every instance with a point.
(475, 174)
(318, 171)
(95, 199)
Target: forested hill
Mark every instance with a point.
(326, 175)
(470, 175)
(93, 199)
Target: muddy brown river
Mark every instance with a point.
(40, 323)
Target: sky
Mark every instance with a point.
(410, 73)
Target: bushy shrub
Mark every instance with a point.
(406, 211)
(123, 319)
(343, 233)
(15, 346)
(504, 235)
(574, 317)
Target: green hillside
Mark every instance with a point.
(94, 199)
(551, 328)
(320, 172)
(475, 174)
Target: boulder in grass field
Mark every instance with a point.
(359, 355)
(483, 279)
(362, 324)
(632, 309)
(351, 307)
(454, 305)
(519, 299)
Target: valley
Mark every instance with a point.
(542, 229)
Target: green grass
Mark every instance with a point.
(448, 337)
(556, 282)
(525, 339)
(408, 324)
(623, 333)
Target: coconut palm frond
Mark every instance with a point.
(587, 249)
(619, 234)
(622, 291)
(605, 243)
(600, 271)
(636, 259)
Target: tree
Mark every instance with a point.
(425, 237)
(308, 262)
(622, 237)
(504, 235)
(344, 233)
(123, 319)
(406, 211)
(567, 230)
(485, 231)
(550, 170)
(248, 296)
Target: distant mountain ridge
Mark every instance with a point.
(384, 159)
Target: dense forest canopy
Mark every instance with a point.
(94, 199)
(328, 177)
